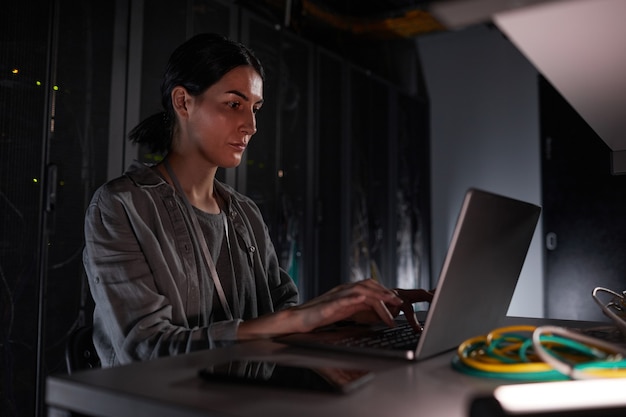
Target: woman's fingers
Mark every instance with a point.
(364, 299)
(415, 296)
(325, 310)
(346, 300)
(377, 299)
(410, 297)
(411, 318)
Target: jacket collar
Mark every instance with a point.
(143, 175)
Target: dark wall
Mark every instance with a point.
(584, 206)
(23, 108)
(53, 150)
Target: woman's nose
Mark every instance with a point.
(249, 125)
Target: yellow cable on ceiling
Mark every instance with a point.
(411, 23)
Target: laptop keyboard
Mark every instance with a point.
(400, 337)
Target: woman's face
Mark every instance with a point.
(217, 125)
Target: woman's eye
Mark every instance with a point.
(233, 104)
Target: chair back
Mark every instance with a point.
(80, 353)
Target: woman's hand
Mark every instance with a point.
(340, 303)
(363, 301)
(344, 301)
(408, 297)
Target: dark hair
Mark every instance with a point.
(195, 65)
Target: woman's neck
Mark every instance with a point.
(196, 182)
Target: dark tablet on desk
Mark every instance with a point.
(266, 373)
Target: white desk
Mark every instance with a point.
(170, 387)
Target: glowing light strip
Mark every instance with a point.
(562, 395)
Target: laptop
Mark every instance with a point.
(479, 275)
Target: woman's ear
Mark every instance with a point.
(179, 100)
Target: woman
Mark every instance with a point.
(178, 261)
